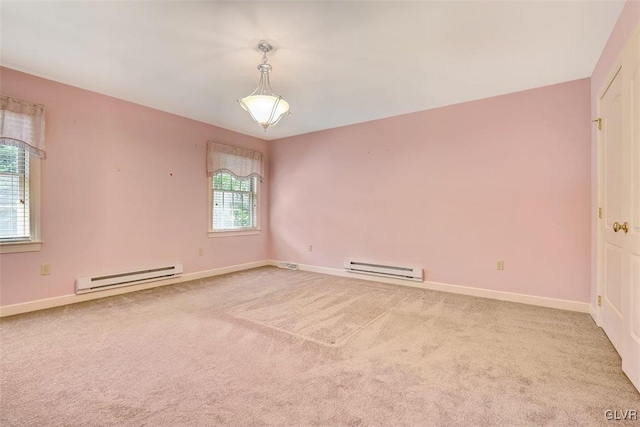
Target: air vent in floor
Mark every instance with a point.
(288, 265)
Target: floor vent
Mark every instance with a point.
(394, 271)
(288, 265)
(118, 280)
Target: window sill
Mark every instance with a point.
(16, 247)
(231, 233)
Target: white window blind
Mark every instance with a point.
(235, 202)
(14, 193)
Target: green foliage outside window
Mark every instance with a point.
(9, 159)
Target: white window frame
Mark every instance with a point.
(248, 231)
(34, 243)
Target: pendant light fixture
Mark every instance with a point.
(263, 105)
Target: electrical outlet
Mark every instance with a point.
(45, 269)
(200, 252)
(500, 265)
(310, 248)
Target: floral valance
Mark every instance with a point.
(22, 125)
(237, 161)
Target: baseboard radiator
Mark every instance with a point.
(127, 278)
(394, 271)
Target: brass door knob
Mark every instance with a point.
(616, 226)
(625, 227)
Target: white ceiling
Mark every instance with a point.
(337, 63)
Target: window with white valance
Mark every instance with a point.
(22, 125)
(239, 162)
(21, 148)
(234, 176)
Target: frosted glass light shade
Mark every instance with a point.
(266, 110)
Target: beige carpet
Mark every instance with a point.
(325, 312)
(278, 347)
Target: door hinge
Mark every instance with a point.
(599, 120)
(599, 301)
(600, 213)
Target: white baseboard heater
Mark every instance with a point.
(127, 278)
(394, 271)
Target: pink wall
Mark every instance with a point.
(109, 201)
(627, 22)
(502, 178)
(452, 189)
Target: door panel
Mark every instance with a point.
(611, 111)
(613, 279)
(635, 167)
(612, 118)
(635, 292)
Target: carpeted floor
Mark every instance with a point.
(278, 347)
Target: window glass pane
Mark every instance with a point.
(217, 181)
(235, 184)
(14, 193)
(226, 181)
(233, 202)
(12, 159)
(227, 217)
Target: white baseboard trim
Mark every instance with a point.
(595, 314)
(561, 304)
(10, 310)
(582, 307)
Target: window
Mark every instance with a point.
(21, 149)
(234, 174)
(14, 194)
(234, 202)
(19, 200)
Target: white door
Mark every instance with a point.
(631, 210)
(620, 198)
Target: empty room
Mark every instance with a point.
(320, 213)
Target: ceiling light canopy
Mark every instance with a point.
(263, 105)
